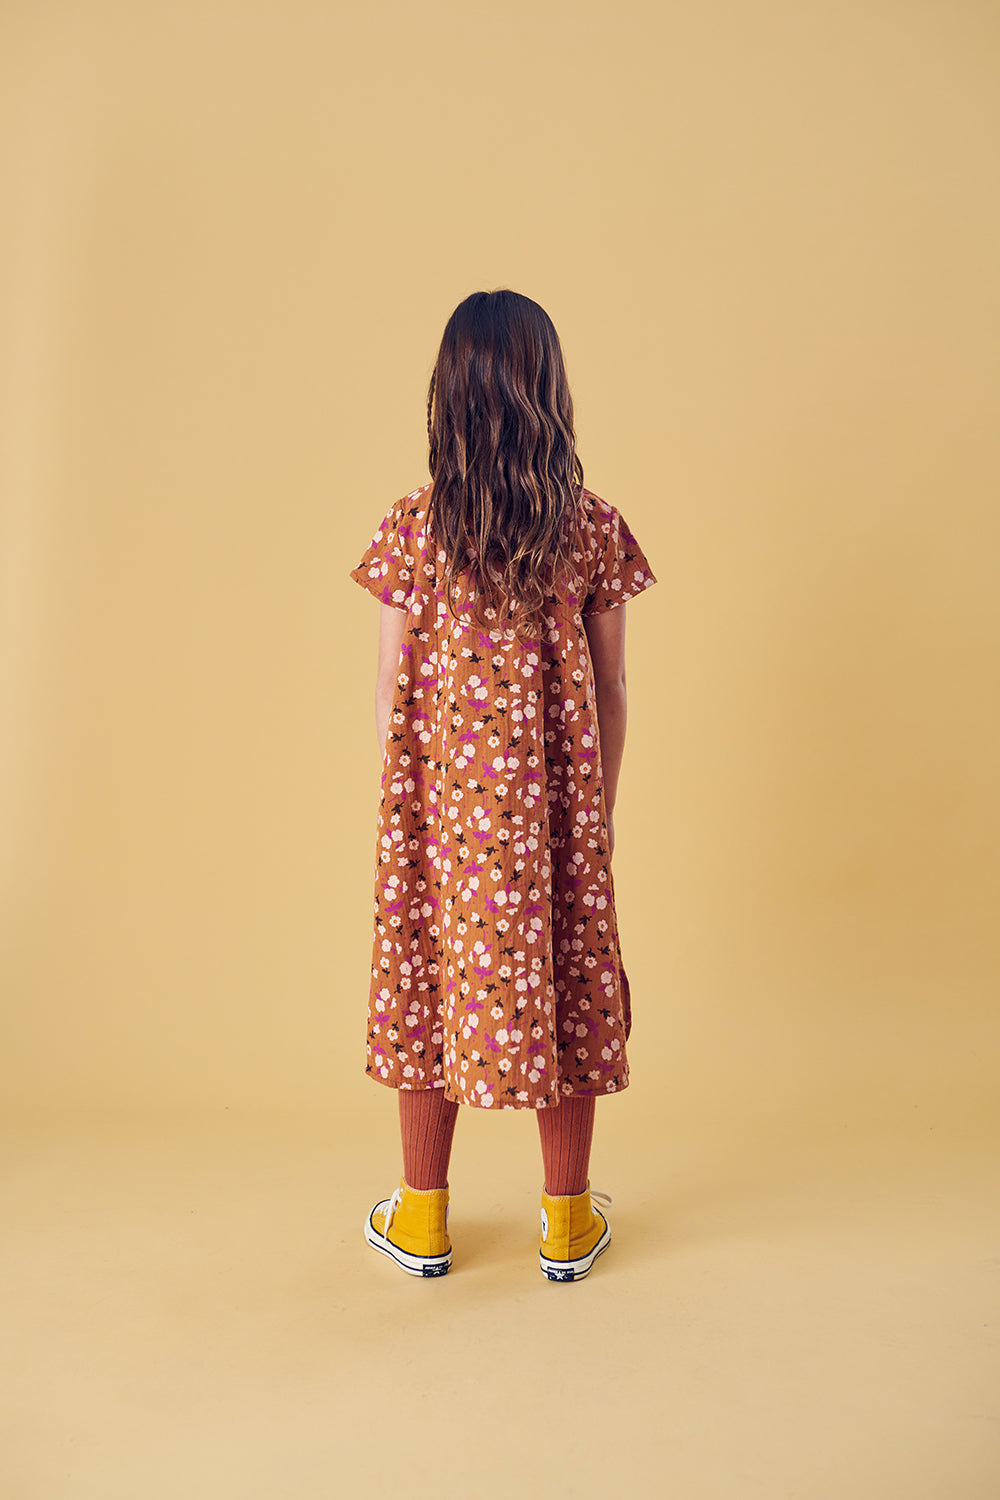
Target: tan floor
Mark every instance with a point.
(785, 1311)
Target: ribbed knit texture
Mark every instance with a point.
(427, 1124)
(567, 1132)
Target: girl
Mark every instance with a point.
(497, 980)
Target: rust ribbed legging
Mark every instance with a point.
(427, 1125)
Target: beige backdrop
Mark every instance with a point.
(767, 238)
(768, 235)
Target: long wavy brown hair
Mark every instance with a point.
(506, 503)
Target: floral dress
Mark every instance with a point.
(496, 972)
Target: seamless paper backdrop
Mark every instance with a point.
(232, 237)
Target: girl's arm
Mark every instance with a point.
(392, 623)
(606, 639)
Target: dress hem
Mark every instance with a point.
(471, 1103)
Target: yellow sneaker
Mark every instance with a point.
(411, 1228)
(574, 1233)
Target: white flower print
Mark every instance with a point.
(493, 898)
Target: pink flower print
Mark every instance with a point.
(512, 725)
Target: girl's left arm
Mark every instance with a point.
(392, 624)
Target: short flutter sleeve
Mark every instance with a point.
(619, 567)
(387, 565)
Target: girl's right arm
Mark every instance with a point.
(606, 637)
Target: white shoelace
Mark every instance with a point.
(391, 1207)
(594, 1193)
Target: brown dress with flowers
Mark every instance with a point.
(496, 971)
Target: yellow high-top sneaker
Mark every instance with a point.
(418, 1221)
(574, 1233)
